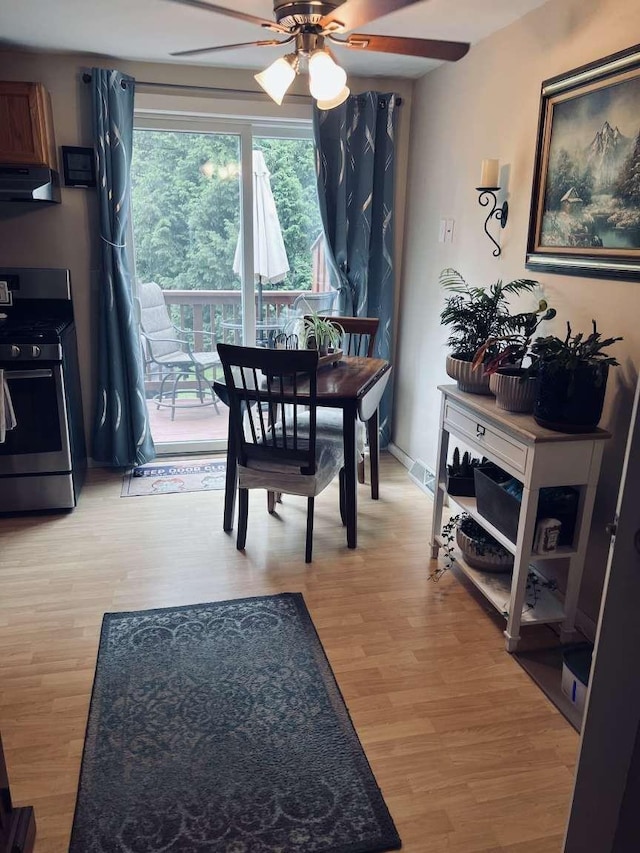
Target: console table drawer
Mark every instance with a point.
(486, 437)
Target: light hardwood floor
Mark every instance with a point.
(469, 754)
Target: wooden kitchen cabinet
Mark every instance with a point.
(26, 125)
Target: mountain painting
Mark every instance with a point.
(592, 188)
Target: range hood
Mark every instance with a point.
(33, 184)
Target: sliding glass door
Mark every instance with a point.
(222, 274)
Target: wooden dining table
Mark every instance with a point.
(356, 386)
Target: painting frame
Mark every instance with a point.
(592, 81)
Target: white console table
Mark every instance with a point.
(538, 457)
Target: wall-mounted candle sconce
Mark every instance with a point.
(488, 189)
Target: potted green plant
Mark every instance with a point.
(321, 333)
(475, 315)
(460, 480)
(514, 385)
(572, 379)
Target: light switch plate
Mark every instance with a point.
(448, 231)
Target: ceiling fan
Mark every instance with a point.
(309, 25)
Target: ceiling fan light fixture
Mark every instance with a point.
(340, 98)
(278, 77)
(327, 80)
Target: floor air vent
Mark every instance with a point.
(423, 476)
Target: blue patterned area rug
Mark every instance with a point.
(220, 727)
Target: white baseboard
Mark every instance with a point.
(418, 470)
(400, 455)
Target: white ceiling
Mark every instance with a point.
(151, 29)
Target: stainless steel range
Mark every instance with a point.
(42, 460)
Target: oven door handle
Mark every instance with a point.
(28, 374)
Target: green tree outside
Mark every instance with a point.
(186, 207)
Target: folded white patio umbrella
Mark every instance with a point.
(270, 262)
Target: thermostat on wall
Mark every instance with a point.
(79, 166)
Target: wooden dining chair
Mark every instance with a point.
(359, 340)
(268, 391)
(360, 335)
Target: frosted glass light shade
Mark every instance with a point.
(340, 98)
(277, 78)
(326, 79)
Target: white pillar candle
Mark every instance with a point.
(489, 173)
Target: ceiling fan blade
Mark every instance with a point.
(356, 13)
(196, 51)
(427, 48)
(232, 13)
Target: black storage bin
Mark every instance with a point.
(502, 509)
(465, 486)
(497, 506)
(461, 486)
(560, 502)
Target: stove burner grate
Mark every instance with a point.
(22, 329)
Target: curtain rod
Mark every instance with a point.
(86, 78)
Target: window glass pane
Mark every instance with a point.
(293, 182)
(291, 167)
(187, 189)
(186, 219)
(186, 209)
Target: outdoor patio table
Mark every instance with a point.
(354, 385)
(262, 328)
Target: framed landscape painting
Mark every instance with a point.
(585, 206)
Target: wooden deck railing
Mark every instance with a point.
(215, 310)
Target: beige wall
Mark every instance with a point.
(487, 106)
(65, 235)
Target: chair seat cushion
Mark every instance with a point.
(329, 422)
(286, 477)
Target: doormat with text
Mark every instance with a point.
(163, 478)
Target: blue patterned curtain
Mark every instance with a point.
(121, 432)
(355, 153)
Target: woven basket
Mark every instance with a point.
(485, 562)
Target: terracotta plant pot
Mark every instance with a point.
(473, 381)
(471, 552)
(512, 393)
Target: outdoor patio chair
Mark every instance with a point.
(166, 346)
(314, 303)
(273, 450)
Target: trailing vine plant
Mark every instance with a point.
(535, 585)
(448, 535)
(488, 545)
